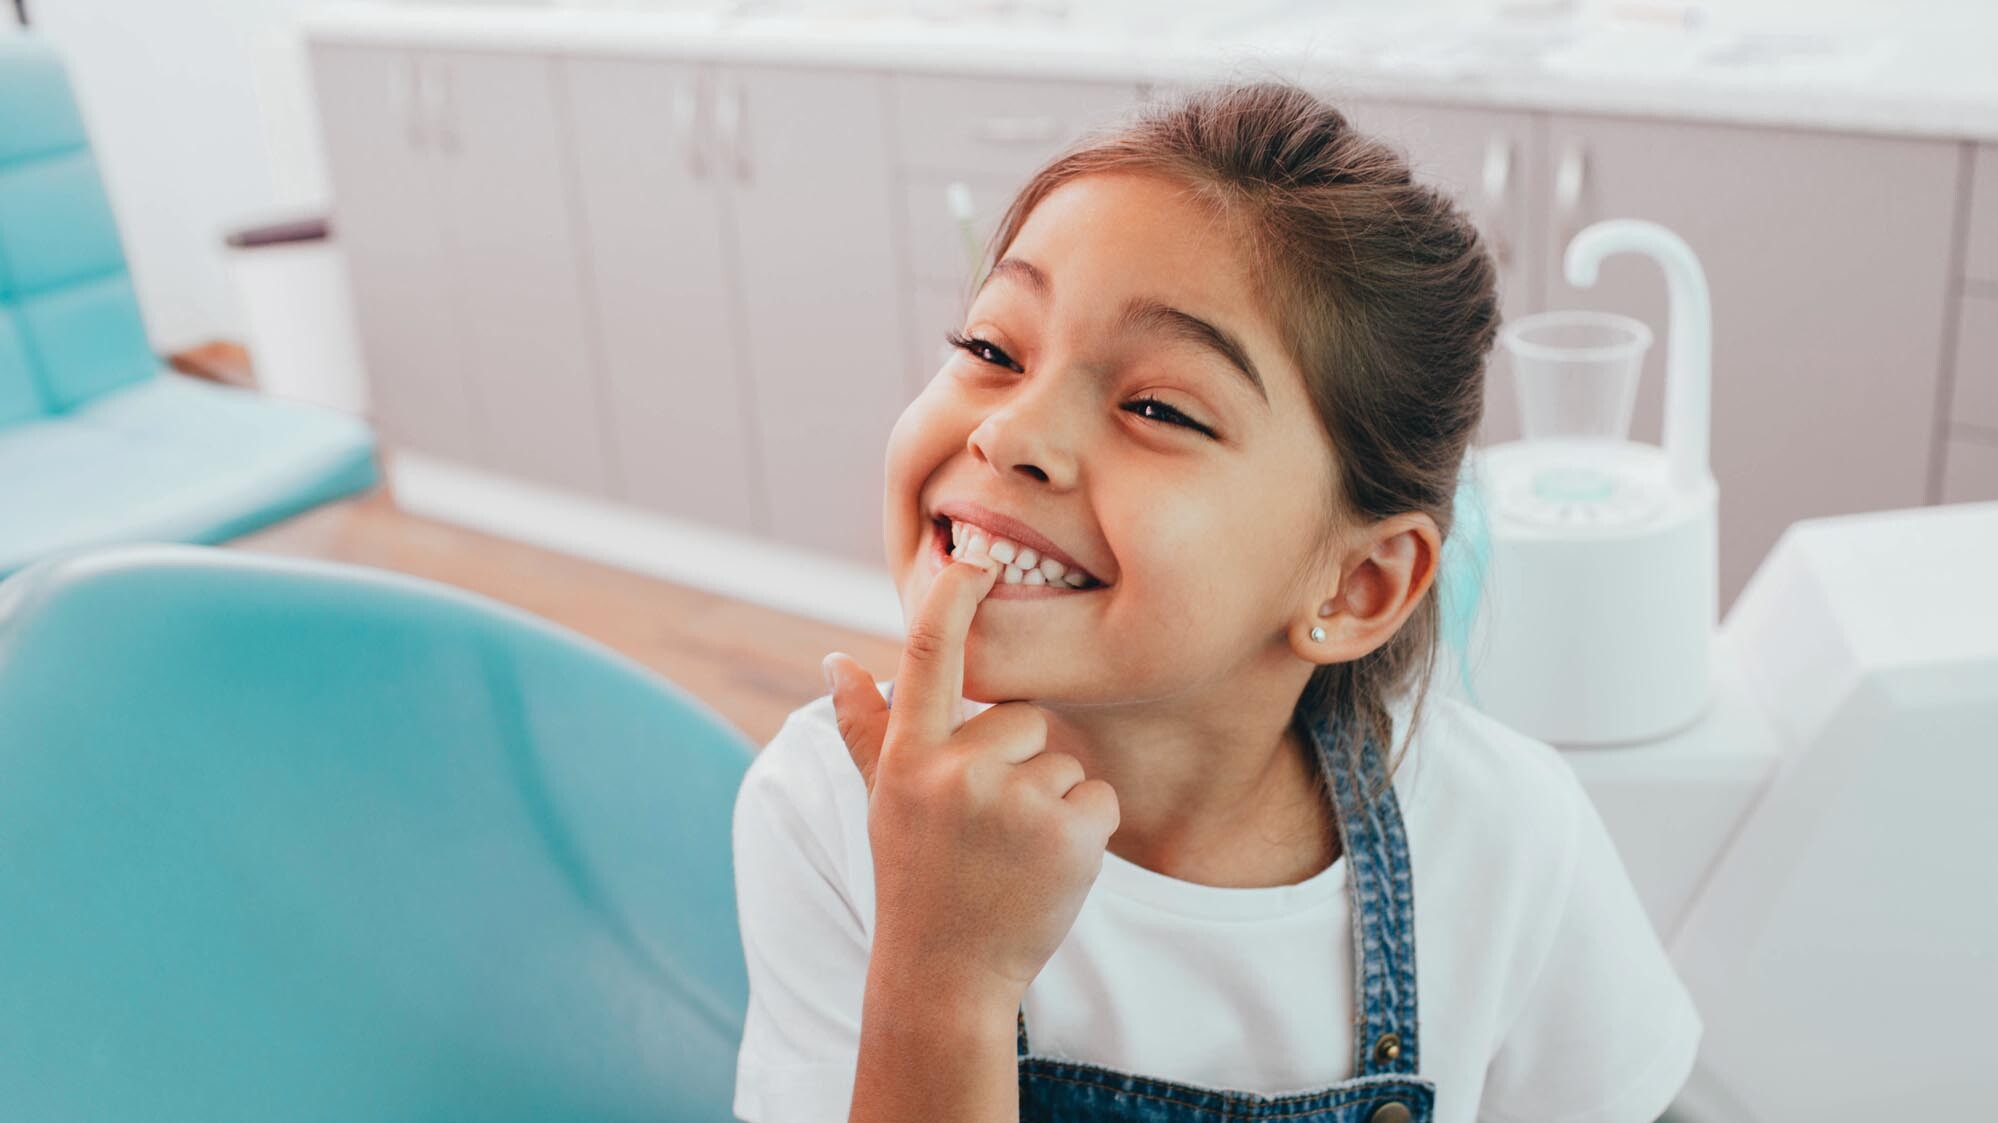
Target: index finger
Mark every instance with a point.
(930, 681)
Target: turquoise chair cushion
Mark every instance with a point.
(97, 444)
(292, 840)
(65, 298)
(170, 459)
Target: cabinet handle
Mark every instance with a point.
(1569, 180)
(964, 213)
(1497, 186)
(685, 107)
(1014, 130)
(439, 104)
(732, 112)
(413, 104)
(449, 116)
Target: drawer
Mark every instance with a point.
(1974, 385)
(1970, 468)
(934, 242)
(1006, 127)
(1980, 262)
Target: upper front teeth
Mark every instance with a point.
(1024, 565)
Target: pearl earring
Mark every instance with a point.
(1317, 635)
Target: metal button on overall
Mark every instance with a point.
(1388, 1048)
(1394, 1111)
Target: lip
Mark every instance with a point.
(1010, 528)
(940, 557)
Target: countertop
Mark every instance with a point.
(1913, 70)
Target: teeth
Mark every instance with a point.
(1022, 565)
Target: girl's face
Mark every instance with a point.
(1107, 401)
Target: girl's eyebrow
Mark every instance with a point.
(1142, 313)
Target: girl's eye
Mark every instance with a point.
(1159, 411)
(978, 347)
(1141, 404)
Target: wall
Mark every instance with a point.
(201, 121)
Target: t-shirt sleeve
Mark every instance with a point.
(804, 943)
(1605, 1032)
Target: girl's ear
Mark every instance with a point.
(1384, 577)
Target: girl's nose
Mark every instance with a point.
(1030, 434)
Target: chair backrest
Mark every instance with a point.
(288, 839)
(69, 322)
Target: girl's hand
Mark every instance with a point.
(985, 844)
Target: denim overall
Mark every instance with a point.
(1386, 1089)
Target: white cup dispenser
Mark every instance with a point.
(1603, 588)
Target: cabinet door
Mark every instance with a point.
(806, 154)
(661, 287)
(1828, 258)
(987, 135)
(508, 215)
(379, 147)
(933, 310)
(1486, 160)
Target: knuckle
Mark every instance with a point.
(925, 639)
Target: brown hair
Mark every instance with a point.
(1383, 294)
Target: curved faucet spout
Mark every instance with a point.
(1689, 355)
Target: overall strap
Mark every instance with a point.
(1382, 898)
(1383, 904)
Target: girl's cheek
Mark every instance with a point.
(924, 436)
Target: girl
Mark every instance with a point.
(1144, 828)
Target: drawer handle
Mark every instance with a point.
(963, 212)
(1497, 186)
(684, 107)
(1015, 130)
(414, 103)
(732, 112)
(446, 119)
(1569, 180)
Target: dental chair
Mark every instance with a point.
(293, 840)
(98, 444)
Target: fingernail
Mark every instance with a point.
(826, 669)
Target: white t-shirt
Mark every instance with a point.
(1544, 994)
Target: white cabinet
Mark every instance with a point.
(652, 200)
(805, 153)
(379, 160)
(1970, 454)
(1974, 378)
(1490, 162)
(458, 152)
(986, 137)
(1980, 263)
(709, 289)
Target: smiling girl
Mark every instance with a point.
(1149, 821)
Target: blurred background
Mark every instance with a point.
(545, 217)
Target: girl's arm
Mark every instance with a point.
(984, 845)
(934, 1047)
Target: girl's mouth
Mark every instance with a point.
(1013, 583)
